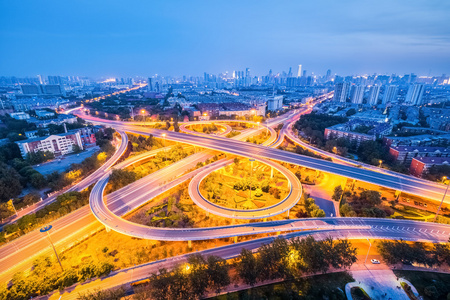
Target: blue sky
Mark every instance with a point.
(126, 38)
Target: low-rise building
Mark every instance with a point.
(421, 165)
(417, 140)
(405, 154)
(57, 121)
(20, 116)
(349, 130)
(59, 144)
(42, 113)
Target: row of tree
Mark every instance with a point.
(282, 259)
(63, 205)
(395, 252)
(46, 276)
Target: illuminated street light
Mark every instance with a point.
(164, 145)
(143, 117)
(47, 229)
(442, 201)
(380, 162)
(367, 255)
(251, 174)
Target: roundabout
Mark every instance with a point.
(292, 197)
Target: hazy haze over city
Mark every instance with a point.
(114, 38)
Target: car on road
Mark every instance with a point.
(375, 261)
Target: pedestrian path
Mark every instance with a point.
(378, 284)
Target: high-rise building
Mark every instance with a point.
(149, 84)
(55, 80)
(53, 89)
(390, 94)
(274, 103)
(299, 73)
(304, 73)
(341, 91)
(328, 77)
(358, 94)
(374, 92)
(31, 89)
(415, 94)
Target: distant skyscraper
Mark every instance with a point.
(290, 72)
(358, 94)
(304, 73)
(328, 77)
(150, 84)
(55, 80)
(390, 94)
(341, 91)
(299, 73)
(374, 92)
(415, 94)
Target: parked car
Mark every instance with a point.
(375, 261)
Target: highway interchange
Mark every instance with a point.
(109, 210)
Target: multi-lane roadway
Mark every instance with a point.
(421, 188)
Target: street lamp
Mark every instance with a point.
(164, 145)
(47, 229)
(370, 245)
(442, 201)
(251, 174)
(334, 150)
(143, 117)
(380, 162)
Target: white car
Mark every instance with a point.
(375, 261)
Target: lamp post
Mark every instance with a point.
(47, 229)
(370, 245)
(143, 117)
(442, 201)
(380, 162)
(164, 145)
(251, 174)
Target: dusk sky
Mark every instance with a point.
(127, 38)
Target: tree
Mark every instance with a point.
(217, 270)
(350, 112)
(160, 285)
(37, 180)
(247, 267)
(198, 275)
(271, 263)
(316, 212)
(76, 148)
(10, 186)
(120, 178)
(337, 193)
(347, 211)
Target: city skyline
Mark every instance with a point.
(113, 40)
